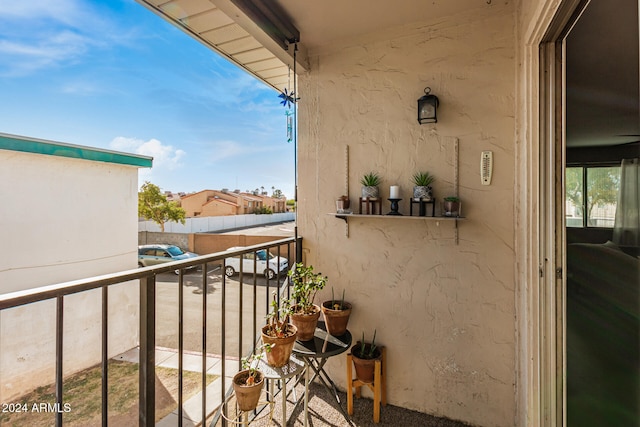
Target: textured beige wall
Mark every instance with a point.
(192, 204)
(218, 208)
(446, 312)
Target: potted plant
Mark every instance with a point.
(305, 314)
(336, 315)
(370, 184)
(247, 384)
(364, 358)
(451, 206)
(279, 333)
(342, 204)
(422, 189)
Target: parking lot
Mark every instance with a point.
(167, 314)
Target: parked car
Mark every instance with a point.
(268, 267)
(159, 254)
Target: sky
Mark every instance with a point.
(111, 74)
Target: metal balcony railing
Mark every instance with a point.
(229, 348)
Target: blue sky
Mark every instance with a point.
(111, 74)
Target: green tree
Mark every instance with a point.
(574, 188)
(602, 186)
(277, 194)
(153, 205)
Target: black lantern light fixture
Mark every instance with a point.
(428, 107)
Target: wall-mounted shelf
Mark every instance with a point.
(437, 219)
(400, 217)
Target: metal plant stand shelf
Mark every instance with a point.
(318, 350)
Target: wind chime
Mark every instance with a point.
(289, 101)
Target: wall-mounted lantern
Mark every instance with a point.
(428, 107)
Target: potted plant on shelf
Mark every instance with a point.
(364, 358)
(279, 333)
(336, 315)
(342, 204)
(305, 313)
(247, 384)
(451, 206)
(422, 189)
(370, 184)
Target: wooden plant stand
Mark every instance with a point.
(369, 206)
(378, 387)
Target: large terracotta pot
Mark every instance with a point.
(336, 320)
(365, 368)
(247, 396)
(280, 353)
(306, 323)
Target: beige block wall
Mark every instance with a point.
(445, 311)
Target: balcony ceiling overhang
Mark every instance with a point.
(233, 29)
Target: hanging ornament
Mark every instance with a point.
(288, 98)
(289, 115)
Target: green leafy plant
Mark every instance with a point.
(370, 179)
(278, 318)
(423, 179)
(153, 205)
(368, 351)
(263, 210)
(306, 283)
(451, 199)
(251, 362)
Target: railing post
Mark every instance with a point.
(147, 356)
(298, 245)
(59, 357)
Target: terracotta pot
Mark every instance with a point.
(365, 368)
(280, 353)
(247, 396)
(336, 320)
(306, 323)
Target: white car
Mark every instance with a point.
(257, 259)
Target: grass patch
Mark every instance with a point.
(82, 403)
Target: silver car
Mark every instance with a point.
(159, 254)
(265, 263)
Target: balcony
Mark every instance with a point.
(199, 334)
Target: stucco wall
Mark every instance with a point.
(64, 219)
(445, 311)
(218, 208)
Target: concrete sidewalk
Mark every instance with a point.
(192, 408)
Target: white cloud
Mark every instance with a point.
(59, 9)
(39, 34)
(164, 156)
(228, 149)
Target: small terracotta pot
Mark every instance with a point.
(306, 323)
(280, 353)
(247, 396)
(336, 320)
(365, 368)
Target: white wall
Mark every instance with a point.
(63, 219)
(445, 311)
(217, 223)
